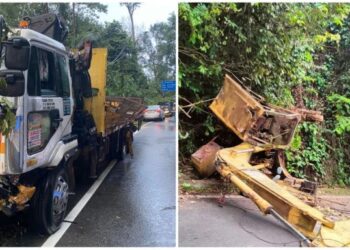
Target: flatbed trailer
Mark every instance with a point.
(123, 110)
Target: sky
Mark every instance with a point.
(144, 16)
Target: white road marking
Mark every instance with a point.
(54, 238)
(146, 124)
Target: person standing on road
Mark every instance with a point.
(130, 129)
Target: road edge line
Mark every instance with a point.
(54, 238)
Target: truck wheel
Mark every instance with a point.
(50, 202)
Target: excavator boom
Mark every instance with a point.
(263, 128)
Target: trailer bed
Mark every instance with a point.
(121, 111)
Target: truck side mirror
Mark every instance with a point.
(13, 83)
(17, 54)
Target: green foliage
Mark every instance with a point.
(296, 142)
(342, 173)
(342, 113)
(309, 155)
(342, 125)
(86, 17)
(271, 48)
(135, 68)
(138, 71)
(186, 186)
(7, 118)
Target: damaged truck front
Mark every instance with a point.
(36, 134)
(13, 75)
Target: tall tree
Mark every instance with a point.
(131, 9)
(157, 50)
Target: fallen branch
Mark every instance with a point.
(309, 115)
(196, 103)
(181, 109)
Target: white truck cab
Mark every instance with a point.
(43, 109)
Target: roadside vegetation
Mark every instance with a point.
(137, 63)
(294, 55)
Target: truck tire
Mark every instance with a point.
(50, 202)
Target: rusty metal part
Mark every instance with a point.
(204, 158)
(308, 186)
(24, 195)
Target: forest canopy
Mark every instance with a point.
(295, 55)
(136, 67)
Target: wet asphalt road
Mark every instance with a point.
(136, 203)
(202, 223)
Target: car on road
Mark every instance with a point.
(154, 112)
(167, 107)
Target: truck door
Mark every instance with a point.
(49, 103)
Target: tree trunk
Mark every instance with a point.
(46, 8)
(298, 96)
(74, 26)
(132, 28)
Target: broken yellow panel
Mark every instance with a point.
(236, 108)
(251, 119)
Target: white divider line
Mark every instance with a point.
(54, 238)
(146, 124)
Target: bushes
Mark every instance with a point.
(308, 152)
(273, 49)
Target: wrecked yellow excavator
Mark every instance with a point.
(264, 128)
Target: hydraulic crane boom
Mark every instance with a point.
(263, 127)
